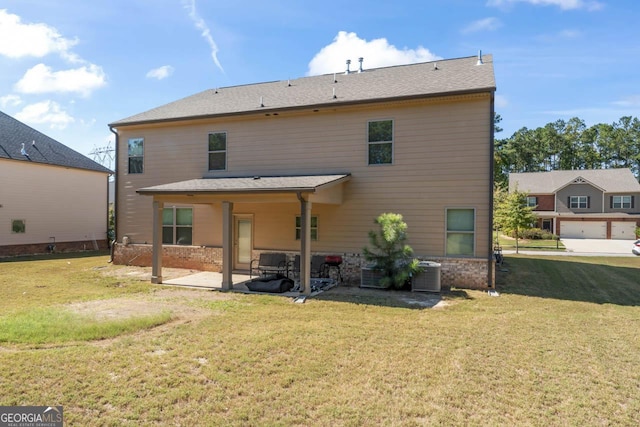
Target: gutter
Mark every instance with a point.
(490, 282)
(115, 193)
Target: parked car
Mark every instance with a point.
(636, 247)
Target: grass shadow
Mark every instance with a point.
(389, 298)
(599, 280)
(56, 255)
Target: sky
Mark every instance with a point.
(68, 68)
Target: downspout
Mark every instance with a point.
(115, 195)
(490, 273)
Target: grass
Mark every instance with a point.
(509, 243)
(560, 346)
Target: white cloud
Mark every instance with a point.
(45, 112)
(42, 79)
(562, 4)
(501, 101)
(376, 53)
(10, 100)
(486, 24)
(18, 39)
(190, 5)
(160, 72)
(629, 101)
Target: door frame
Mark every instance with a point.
(237, 265)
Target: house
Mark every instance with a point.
(305, 166)
(595, 204)
(52, 198)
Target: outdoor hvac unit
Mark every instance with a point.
(370, 278)
(428, 280)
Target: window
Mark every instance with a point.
(136, 155)
(217, 151)
(380, 140)
(18, 226)
(461, 232)
(532, 201)
(177, 226)
(578, 202)
(621, 202)
(314, 227)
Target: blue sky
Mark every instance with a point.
(70, 67)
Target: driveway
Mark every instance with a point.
(598, 246)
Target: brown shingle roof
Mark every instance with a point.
(453, 76)
(610, 180)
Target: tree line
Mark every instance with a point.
(568, 145)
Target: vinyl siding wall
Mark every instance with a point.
(68, 204)
(594, 194)
(441, 159)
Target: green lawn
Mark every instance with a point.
(560, 346)
(509, 243)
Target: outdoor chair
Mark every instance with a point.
(318, 266)
(270, 263)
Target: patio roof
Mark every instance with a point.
(253, 184)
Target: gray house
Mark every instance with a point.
(596, 204)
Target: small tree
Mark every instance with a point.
(389, 253)
(512, 213)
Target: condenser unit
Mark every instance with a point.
(428, 280)
(370, 278)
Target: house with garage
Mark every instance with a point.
(304, 166)
(52, 198)
(594, 204)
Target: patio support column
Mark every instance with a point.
(156, 266)
(227, 246)
(305, 245)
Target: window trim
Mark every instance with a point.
(129, 156)
(298, 229)
(392, 142)
(447, 231)
(225, 151)
(621, 202)
(175, 226)
(578, 200)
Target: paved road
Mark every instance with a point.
(588, 247)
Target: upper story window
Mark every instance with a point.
(579, 202)
(622, 202)
(314, 227)
(177, 226)
(217, 151)
(136, 155)
(532, 201)
(380, 141)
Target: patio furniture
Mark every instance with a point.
(318, 266)
(270, 263)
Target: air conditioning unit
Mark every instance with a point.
(370, 278)
(428, 280)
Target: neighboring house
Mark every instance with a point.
(52, 198)
(596, 204)
(305, 166)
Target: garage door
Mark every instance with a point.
(623, 230)
(583, 229)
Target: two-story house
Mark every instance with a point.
(306, 165)
(52, 197)
(596, 204)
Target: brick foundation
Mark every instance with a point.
(60, 247)
(468, 273)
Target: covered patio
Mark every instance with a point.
(305, 190)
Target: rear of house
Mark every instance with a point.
(596, 204)
(307, 165)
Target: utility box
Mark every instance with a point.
(428, 280)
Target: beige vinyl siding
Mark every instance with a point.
(68, 204)
(441, 159)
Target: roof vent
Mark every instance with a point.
(360, 61)
(348, 63)
(334, 93)
(479, 58)
(335, 79)
(435, 66)
(261, 102)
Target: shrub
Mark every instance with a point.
(537, 234)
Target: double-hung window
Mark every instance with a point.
(621, 202)
(314, 227)
(380, 142)
(461, 232)
(532, 201)
(136, 155)
(177, 226)
(217, 151)
(578, 202)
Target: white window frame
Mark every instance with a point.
(575, 202)
(175, 225)
(449, 232)
(532, 201)
(624, 202)
(314, 236)
(129, 156)
(209, 152)
(392, 142)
